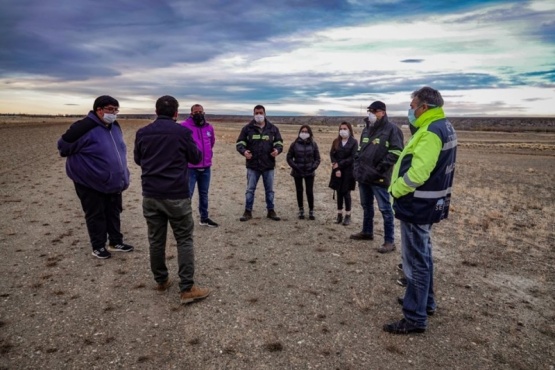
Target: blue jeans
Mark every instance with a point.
(177, 212)
(252, 179)
(418, 268)
(367, 194)
(200, 176)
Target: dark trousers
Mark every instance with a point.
(158, 212)
(344, 196)
(102, 214)
(309, 182)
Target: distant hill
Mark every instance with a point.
(507, 124)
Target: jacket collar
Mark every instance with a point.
(429, 116)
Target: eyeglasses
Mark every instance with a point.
(373, 110)
(111, 109)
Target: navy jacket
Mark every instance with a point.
(164, 149)
(96, 155)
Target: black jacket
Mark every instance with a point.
(164, 149)
(303, 157)
(380, 146)
(344, 156)
(260, 142)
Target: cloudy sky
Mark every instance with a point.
(311, 57)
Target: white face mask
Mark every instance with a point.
(344, 133)
(304, 135)
(372, 118)
(259, 118)
(109, 118)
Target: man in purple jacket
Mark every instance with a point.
(203, 134)
(97, 164)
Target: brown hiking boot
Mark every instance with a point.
(246, 216)
(362, 236)
(386, 248)
(194, 294)
(272, 214)
(162, 287)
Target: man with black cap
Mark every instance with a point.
(381, 143)
(97, 164)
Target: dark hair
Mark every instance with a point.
(260, 107)
(196, 105)
(103, 101)
(307, 128)
(339, 138)
(166, 106)
(427, 95)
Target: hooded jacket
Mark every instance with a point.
(379, 148)
(96, 155)
(423, 176)
(260, 141)
(204, 138)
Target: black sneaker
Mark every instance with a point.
(311, 215)
(429, 311)
(402, 281)
(101, 253)
(347, 220)
(208, 222)
(121, 248)
(400, 267)
(301, 214)
(402, 327)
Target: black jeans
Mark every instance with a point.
(309, 181)
(102, 214)
(345, 196)
(178, 212)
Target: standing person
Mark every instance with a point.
(381, 143)
(342, 155)
(260, 142)
(97, 164)
(164, 149)
(200, 173)
(421, 189)
(303, 157)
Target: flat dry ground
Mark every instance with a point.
(286, 295)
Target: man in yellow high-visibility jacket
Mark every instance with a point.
(421, 189)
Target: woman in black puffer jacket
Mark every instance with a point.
(304, 158)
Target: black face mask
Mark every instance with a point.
(198, 118)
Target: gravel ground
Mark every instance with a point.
(294, 294)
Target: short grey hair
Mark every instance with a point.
(429, 96)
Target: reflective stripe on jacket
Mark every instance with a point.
(260, 141)
(423, 176)
(379, 148)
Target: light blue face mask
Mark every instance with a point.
(412, 117)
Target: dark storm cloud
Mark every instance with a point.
(412, 61)
(79, 39)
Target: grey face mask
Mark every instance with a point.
(109, 118)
